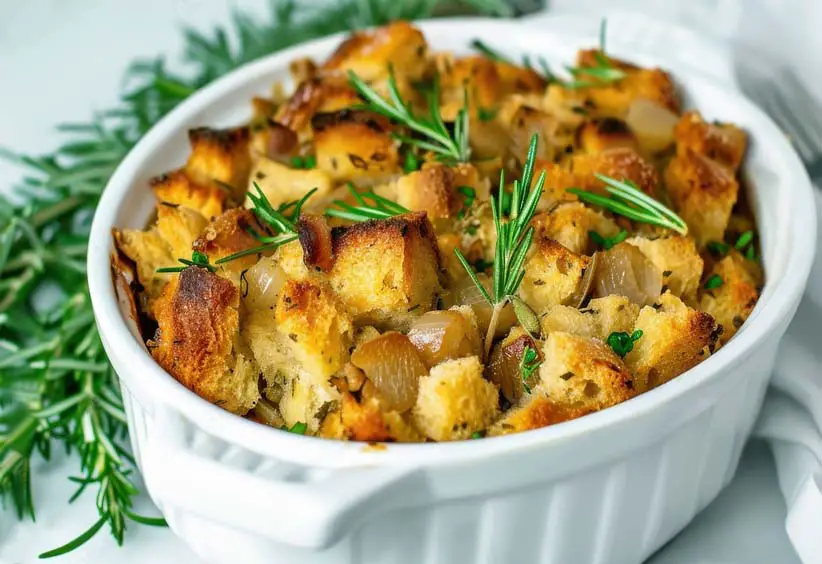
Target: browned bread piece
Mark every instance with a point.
(674, 339)
(435, 189)
(733, 301)
(620, 163)
(176, 188)
(723, 143)
(536, 411)
(583, 373)
(220, 157)
(703, 193)
(228, 234)
(553, 275)
(600, 134)
(312, 96)
(678, 260)
(455, 401)
(198, 340)
(570, 225)
(599, 319)
(386, 272)
(282, 184)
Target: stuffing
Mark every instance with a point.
(678, 260)
(600, 134)
(733, 300)
(282, 184)
(226, 235)
(620, 163)
(315, 95)
(440, 190)
(703, 193)
(221, 157)
(536, 412)
(198, 340)
(455, 401)
(552, 274)
(176, 188)
(723, 143)
(600, 318)
(674, 339)
(583, 373)
(570, 225)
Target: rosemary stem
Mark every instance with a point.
(492, 326)
(59, 208)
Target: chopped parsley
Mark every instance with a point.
(488, 114)
(470, 195)
(606, 243)
(298, 428)
(714, 282)
(718, 248)
(411, 163)
(528, 364)
(306, 162)
(622, 343)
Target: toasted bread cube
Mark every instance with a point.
(732, 302)
(678, 260)
(475, 77)
(220, 156)
(355, 146)
(599, 319)
(552, 275)
(370, 54)
(176, 188)
(536, 412)
(198, 340)
(282, 184)
(226, 235)
(723, 143)
(674, 339)
(619, 163)
(455, 401)
(179, 226)
(600, 134)
(313, 96)
(386, 272)
(436, 189)
(526, 122)
(570, 225)
(583, 373)
(703, 192)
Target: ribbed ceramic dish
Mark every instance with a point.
(608, 488)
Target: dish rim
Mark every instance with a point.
(132, 360)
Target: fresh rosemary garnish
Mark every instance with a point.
(56, 385)
(628, 200)
(197, 259)
(514, 237)
(714, 282)
(528, 364)
(607, 243)
(371, 206)
(437, 138)
(622, 343)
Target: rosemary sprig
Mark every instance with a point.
(197, 259)
(514, 237)
(56, 386)
(437, 139)
(628, 200)
(371, 206)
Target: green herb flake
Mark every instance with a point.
(744, 240)
(528, 364)
(718, 248)
(298, 428)
(714, 282)
(607, 243)
(488, 114)
(622, 343)
(410, 163)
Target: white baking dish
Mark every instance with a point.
(607, 488)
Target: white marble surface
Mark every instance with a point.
(62, 59)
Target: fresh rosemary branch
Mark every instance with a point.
(56, 386)
(628, 200)
(514, 237)
(371, 206)
(437, 138)
(197, 259)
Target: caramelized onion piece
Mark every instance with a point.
(261, 284)
(443, 335)
(624, 271)
(315, 239)
(465, 292)
(652, 124)
(503, 364)
(586, 285)
(395, 367)
(281, 143)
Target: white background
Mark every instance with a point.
(62, 59)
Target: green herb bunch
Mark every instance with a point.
(56, 386)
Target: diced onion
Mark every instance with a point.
(392, 363)
(625, 271)
(261, 284)
(443, 335)
(652, 125)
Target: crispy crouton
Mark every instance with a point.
(370, 54)
(436, 189)
(226, 235)
(677, 259)
(220, 156)
(198, 341)
(176, 188)
(386, 272)
(674, 339)
(282, 184)
(599, 319)
(620, 163)
(599, 134)
(733, 301)
(583, 373)
(526, 122)
(536, 412)
(552, 274)
(327, 94)
(723, 143)
(355, 145)
(179, 227)
(570, 225)
(703, 193)
(455, 401)
(475, 77)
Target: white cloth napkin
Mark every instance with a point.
(791, 419)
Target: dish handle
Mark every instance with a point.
(310, 508)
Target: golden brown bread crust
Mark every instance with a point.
(312, 96)
(599, 134)
(176, 188)
(678, 260)
(570, 225)
(552, 274)
(733, 301)
(723, 143)
(197, 340)
(620, 163)
(220, 156)
(536, 412)
(229, 234)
